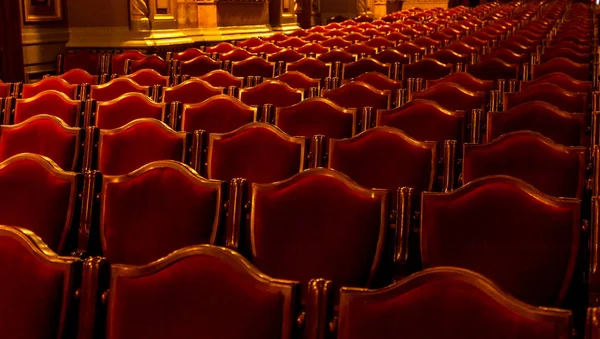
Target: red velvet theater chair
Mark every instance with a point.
(126, 108)
(219, 114)
(115, 88)
(272, 92)
(190, 92)
(48, 102)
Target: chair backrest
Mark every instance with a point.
(119, 61)
(285, 55)
(194, 204)
(385, 157)
(427, 69)
(336, 55)
(392, 56)
(149, 77)
(190, 92)
(222, 47)
(235, 55)
(150, 62)
(126, 108)
(364, 65)
(78, 76)
(293, 42)
(358, 95)
(550, 93)
(410, 48)
(50, 84)
(563, 127)
(250, 42)
(317, 116)
(222, 78)
(380, 81)
(514, 214)
(199, 289)
(552, 168)
(115, 88)
(198, 66)
(267, 48)
(38, 195)
(448, 56)
(219, 114)
(273, 92)
(562, 80)
(122, 150)
(50, 103)
(286, 217)
(446, 302)
(462, 48)
(257, 152)
(315, 37)
(44, 135)
(81, 59)
(380, 42)
(507, 55)
(453, 97)
(38, 287)
(493, 69)
(577, 71)
(313, 48)
(253, 66)
(310, 67)
(188, 54)
(337, 42)
(464, 80)
(298, 80)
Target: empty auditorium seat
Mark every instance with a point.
(115, 88)
(219, 114)
(276, 93)
(190, 92)
(47, 102)
(128, 107)
(50, 84)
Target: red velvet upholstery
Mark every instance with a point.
(78, 76)
(318, 224)
(251, 42)
(425, 120)
(562, 80)
(198, 290)
(357, 95)
(313, 48)
(151, 62)
(149, 77)
(235, 55)
(126, 108)
(37, 287)
(125, 149)
(567, 53)
(462, 48)
(493, 69)
(199, 66)
(562, 127)
(298, 80)
(552, 168)
(51, 103)
(221, 78)
(272, 92)
(410, 48)
(526, 233)
(81, 59)
(253, 66)
(190, 92)
(315, 116)
(45, 135)
(292, 43)
(315, 37)
(427, 42)
(360, 49)
(356, 36)
(258, 152)
(280, 36)
(364, 65)
(398, 37)
(118, 61)
(336, 42)
(568, 44)
(517, 47)
(188, 54)
(380, 42)
(427, 69)
(391, 56)
(379, 81)
(334, 33)
(135, 229)
(218, 114)
(299, 33)
(550, 93)
(475, 42)
(115, 88)
(385, 157)
(267, 47)
(448, 56)
(4, 89)
(311, 67)
(522, 40)
(465, 80)
(37, 195)
(337, 55)
(49, 84)
(221, 48)
(507, 56)
(285, 55)
(440, 36)
(453, 97)
(576, 71)
(447, 303)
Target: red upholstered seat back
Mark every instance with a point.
(125, 149)
(507, 55)
(504, 229)
(562, 127)
(126, 108)
(318, 224)
(222, 47)
(221, 78)
(310, 67)
(385, 157)
(466, 81)
(235, 55)
(198, 290)
(190, 92)
(78, 76)
(357, 95)
(298, 80)
(494, 68)
(448, 56)
(286, 55)
(251, 42)
(115, 88)
(563, 81)
(293, 42)
(267, 48)
(337, 55)
(380, 81)
(118, 61)
(82, 59)
(336, 42)
(151, 62)
(550, 93)
(354, 69)
(453, 97)
(272, 92)
(445, 303)
(37, 195)
(49, 84)
(391, 56)
(219, 114)
(313, 48)
(37, 287)
(199, 66)
(552, 168)
(149, 77)
(136, 230)
(576, 71)
(427, 69)
(45, 135)
(4, 89)
(188, 54)
(51, 103)
(258, 152)
(253, 66)
(315, 116)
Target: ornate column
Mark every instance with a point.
(140, 15)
